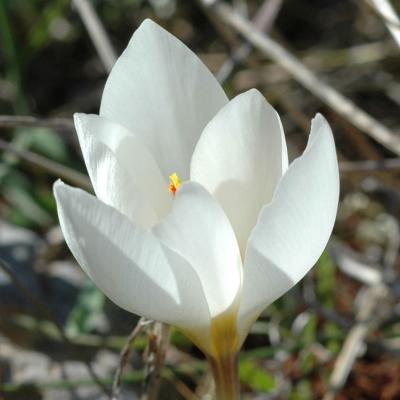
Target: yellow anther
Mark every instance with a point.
(174, 183)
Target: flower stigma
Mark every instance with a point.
(174, 183)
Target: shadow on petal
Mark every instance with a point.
(243, 217)
(121, 277)
(197, 322)
(124, 261)
(263, 283)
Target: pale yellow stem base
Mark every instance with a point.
(221, 348)
(226, 376)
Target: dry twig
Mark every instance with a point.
(96, 32)
(51, 166)
(339, 103)
(370, 165)
(20, 121)
(264, 21)
(351, 264)
(385, 10)
(367, 319)
(125, 356)
(157, 349)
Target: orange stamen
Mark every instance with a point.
(174, 183)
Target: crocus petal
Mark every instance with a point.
(293, 230)
(127, 263)
(198, 230)
(240, 157)
(123, 171)
(160, 90)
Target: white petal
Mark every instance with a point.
(240, 157)
(128, 264)
(124, 173)
(198, 230)
(293, 230)
(160, 90)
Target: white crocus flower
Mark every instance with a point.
(207, 255)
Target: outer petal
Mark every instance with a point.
(240, 157)
(128, 264)
(161, 90)
(198, 230)
(293, 230)
(123, 171)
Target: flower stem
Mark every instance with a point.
(226, 376)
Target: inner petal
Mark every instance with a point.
(239, 158)
(198, 231)
(131, 154)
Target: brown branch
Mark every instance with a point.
(20, 121)
(48, 165)
(125, 356)
(387, 13)
(97, 32)
(368, 166)
(370, 313)
(157, 349)
(263, 21)
(339, 103)
(367, 319)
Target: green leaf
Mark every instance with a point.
(179, 339)
(302, 391)
(308, 362)
(82, 318)
(46, 142)
(23, 201)
(39, 36)
(326, 280)
(255, 377)
(310, 331)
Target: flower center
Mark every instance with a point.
(174, 183)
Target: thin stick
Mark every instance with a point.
(343, 106)
(385, 10)
(368, 316)
(241, 6)
(18, 121)
(392, 251)
(351, 264)
(96, 32)
(367, 319)
(50, 166)
(264, 21)
(125, 355)
(158, 344)
(368, 166)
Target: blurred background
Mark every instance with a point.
(336, 335)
